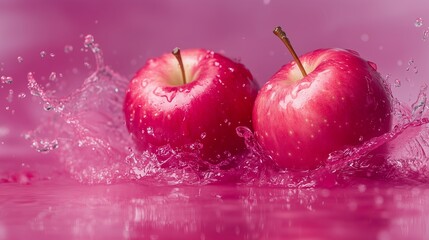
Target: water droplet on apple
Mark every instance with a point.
(360, 138)
(169, 95)
(217, 64)
(196, 146)
(418, 22)
(373, 65)
(203, 135)
(301, 86)
(144, 82)
(231, 69)
(244, 132)
(149, 131)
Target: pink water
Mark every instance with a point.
(69, 170)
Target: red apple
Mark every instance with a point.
(341, 102)
(202, 104)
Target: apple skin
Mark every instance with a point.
(340, 103)
(218, 97)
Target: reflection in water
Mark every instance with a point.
(371, 211)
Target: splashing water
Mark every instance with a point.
(87, 131)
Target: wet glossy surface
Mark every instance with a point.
(369, 210)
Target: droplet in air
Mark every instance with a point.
(426, 34)
(89, 40)
(52, 55)
(418, 22)
(410, 63)
(7, 80)
(9, 97)
(22, 95)
(397, 83)
(45, 145)
(53, 76)
(20, 59)
(203, 135)
(42, 54)
(364, 37)
(87, 65)
(399, 62)
(68, 48)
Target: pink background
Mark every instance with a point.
(130, 32)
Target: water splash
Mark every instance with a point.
(89, 43)
(419, 106)
(87, 132)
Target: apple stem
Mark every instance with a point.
(176, 53)
(278, 31)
